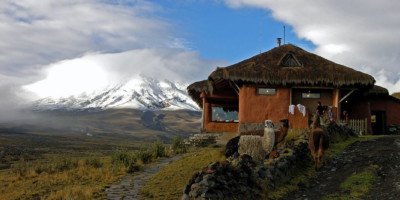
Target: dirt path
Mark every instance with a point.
(384, 152)
(129, 186)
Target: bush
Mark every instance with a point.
(65, 164)
(120, 156)
(178, 145)
(144, 156)
(93, 162)
(158, 149)
(20, 168)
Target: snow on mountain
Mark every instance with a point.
(141, 92)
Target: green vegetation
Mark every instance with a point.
(158, 149)
(168, 183)
(66, 178)
(356, 185)
(178, 145)
(67, 167)
(302, 175)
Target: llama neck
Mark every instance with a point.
(314, 124)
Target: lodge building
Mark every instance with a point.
(266, 85)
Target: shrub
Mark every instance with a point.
(40, 168)
(20, 168)
(65, 164)
(178, 145)
(93, 162)
(144, 156)
(122, 156)
(158, 149)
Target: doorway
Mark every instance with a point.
(378, 122)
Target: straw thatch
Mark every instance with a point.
(196, 88)
(289, 65)
(378, 91)
(284, 66)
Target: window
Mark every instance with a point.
(373, 118)
(290, 60)
(309, 95)
(266, 91)
(224, 114)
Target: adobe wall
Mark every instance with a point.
(391, 107)
(254, 108)
(361, 110)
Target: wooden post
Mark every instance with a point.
(203, 96)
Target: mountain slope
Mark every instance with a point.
(143, 93)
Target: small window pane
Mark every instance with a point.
(224, 114)
(311, 95)
(267, 91)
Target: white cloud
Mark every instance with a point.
(96, 71)
(36, 33)
(56, 46)
(362, 34)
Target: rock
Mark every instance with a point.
(213, 166)
(186, 189)
(185, 197)
(232, 147)
(262, 173)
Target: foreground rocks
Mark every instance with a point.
(244, 178)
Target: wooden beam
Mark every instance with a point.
(235, 87)
(347, 95)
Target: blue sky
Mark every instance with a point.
(220, 32)
(50, 44)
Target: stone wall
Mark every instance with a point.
(243, 178)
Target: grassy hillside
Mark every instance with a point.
(397, 95)
(119, 123)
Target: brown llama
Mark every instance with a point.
(318, 142)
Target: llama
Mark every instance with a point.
(318, 142)
(258, 147)
(281, 134)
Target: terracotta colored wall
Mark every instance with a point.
(217, 126)
(391, 107)
(298, 121)
(221, 127)
(254, 108)
(361, 110)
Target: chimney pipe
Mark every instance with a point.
(279, 41)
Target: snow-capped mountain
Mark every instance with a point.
(141, 92)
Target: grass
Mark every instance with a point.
(303, 175)
(61, 179)
(168, 183)
(357, 185)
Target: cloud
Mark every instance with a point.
(97, 71)
(361, 34)
(38, 33)
(58, 45)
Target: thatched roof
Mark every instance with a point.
(196, 88)
(381, 92)
(378, 91)
(289, 65)
(284, 66)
